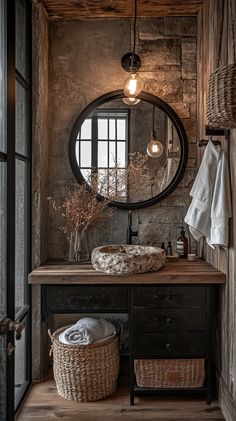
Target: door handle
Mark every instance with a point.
(13, 326)
(16, 327)
(10, 349)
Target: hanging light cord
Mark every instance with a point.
(153, 119)
(134, 33)
(135, 22)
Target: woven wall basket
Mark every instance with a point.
(221, 101)
(85, 372)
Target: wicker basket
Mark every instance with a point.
(182, 373)
(85, 372)
(221, 100)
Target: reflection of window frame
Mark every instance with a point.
(106, 114)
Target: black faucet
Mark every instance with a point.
(130, 232)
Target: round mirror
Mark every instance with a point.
(135, 155)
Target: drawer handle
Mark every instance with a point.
(168, 346)
(168, 320)
(168, 297)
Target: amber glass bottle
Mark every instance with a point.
(182, 244)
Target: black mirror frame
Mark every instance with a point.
(162, 105)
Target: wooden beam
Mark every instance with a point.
(74, 9)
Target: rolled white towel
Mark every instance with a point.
(86, 331)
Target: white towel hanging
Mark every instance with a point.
(210, 209)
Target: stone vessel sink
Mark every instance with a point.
(127, 259)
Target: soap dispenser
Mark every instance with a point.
(169, 249)
(182, 244)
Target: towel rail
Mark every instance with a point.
(204, 142)
(213, 131)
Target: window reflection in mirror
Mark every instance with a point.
(102, 148)
(112, 145)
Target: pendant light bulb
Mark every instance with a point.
(131, 101)
(155, 148)
(133, 85)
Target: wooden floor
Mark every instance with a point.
(43, 404)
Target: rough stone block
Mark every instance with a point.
(192, 163)
(190, 86)
(167, 90)
(189, 51)
(190, 98)
(161, 73)
(111, 230)
(160, 52)
(176, 201)
(190, 126)
(163, 215)
(192, 150)
(180, 191)
(151, 28)
(181, 108)
(154, 234)
(189, 70)
(188, 178)
(181, 26)
(193, 109)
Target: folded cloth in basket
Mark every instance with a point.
(86, 331)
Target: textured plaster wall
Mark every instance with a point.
(40, 136)
(84, 63)
(40, 148)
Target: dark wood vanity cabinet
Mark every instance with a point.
(170, 314)
(174, 321)
(165, 321)
(86, 298)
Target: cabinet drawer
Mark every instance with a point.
(169, 296)
(170, 345)
(169, 320)
(86, 298)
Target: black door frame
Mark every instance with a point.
(10, 157)
(10, 197)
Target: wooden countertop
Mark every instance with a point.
(180, 272)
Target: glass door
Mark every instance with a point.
(22, 194)
(15, 135)
(6, 336)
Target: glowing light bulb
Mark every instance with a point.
(133, 85)
(131, 101)
(155, 148)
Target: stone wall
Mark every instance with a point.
(84, 63)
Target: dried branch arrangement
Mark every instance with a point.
(78, 211)
(81, 208)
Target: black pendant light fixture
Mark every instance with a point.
(154, 147)
(131, 63)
